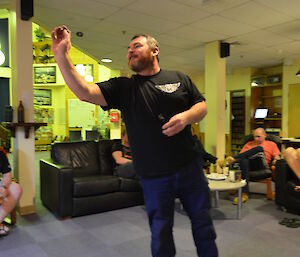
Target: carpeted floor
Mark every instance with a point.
(125, 233)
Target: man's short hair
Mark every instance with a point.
(151, 41)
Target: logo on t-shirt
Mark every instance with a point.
(168, 88)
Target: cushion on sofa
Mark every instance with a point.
(85, 154)
(95, 185)
(60, 153)
(130, 185)
(105, 157)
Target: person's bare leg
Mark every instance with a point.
(10, 202)
(292, 157)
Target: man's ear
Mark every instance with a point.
(155, 51)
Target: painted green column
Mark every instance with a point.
(215, 85)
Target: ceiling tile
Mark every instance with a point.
(118, 3)
(88, 8)
(262, 37)
(290, 30)
(142, 21)
(192, 33)
(229, 27)
(180, 13)
(255, 14)
(288, 7)
(212, 6)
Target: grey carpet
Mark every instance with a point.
(125, 232)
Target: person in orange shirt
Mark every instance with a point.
(256, 146)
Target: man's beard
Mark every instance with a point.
(141, 64)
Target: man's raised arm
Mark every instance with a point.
(61, 44)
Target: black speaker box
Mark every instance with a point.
(26, 9)
(224, 49)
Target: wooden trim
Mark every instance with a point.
(25, 210)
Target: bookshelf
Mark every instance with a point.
(237, 120)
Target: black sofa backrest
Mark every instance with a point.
(85, 157)
(81, 156)
(107, 163)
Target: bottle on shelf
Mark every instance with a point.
(20, 112)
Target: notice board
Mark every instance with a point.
(81, 114)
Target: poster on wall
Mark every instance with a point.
(42, 97)
(44, 74)
(80, 114)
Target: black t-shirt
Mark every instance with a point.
(147, 102)
(4, 163)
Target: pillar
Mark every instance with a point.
(215, 86)
(22, 89)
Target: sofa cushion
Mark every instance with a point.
(85, 155)
(60, 153)
(130, 185)
(95, 185)
(77, 155)
(86, 171)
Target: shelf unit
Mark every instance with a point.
(267, 95)
(238, 120)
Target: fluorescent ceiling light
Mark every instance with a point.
(80, 68)
(2, 57)
(106, 60)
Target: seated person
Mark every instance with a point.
(10, 192)
(207, 157)
(292, 157)
(122, 157)
(258, 145)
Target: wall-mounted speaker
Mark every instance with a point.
(26, 9)
(224, 49)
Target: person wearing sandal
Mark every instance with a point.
(292, 157)
(10, 192)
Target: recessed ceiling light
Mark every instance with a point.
(106, 60)
(79, 34)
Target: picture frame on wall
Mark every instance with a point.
(44, 75)
(42, 97)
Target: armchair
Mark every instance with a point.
(260, 171)
(286, 180)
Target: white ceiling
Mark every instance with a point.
(263, 32)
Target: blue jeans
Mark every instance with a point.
(190, 186)
(245, 164)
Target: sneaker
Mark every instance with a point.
(244, 199)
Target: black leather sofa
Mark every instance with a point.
(78, 180)
(286, 181)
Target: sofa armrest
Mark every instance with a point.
(56, 185)
(281, 171)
